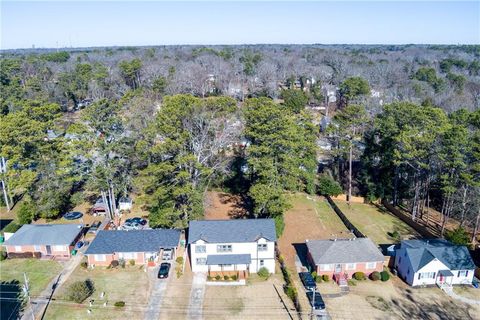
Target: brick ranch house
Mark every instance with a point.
(341, 258)
(44, 240)
(142, 246)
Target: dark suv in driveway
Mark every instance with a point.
(317, 303)
(164, 270)
(307, 280)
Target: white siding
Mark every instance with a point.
(268, 256)
(402, 264)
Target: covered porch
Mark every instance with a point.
(444, 278)
(229, 265)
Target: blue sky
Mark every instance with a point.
(95, 23)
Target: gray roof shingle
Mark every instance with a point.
(422, 251)
(45, 234)
(344, 251)
(110, 241)
(215, 259)
(228, 231)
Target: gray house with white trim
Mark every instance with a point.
(232, 246)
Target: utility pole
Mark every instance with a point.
(26, 290)
(313, 303)
(3, 169)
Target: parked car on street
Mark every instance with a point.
(307, 280)
(79, 244)
(164, 270)
(316, 300)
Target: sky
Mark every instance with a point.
(133, 23)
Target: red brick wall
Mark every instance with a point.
(360, 267)
(140, 259)
(43, 250)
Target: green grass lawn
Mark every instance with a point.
(376, 223)
(39, 272)
(130, 285)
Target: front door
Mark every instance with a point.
(338, 268)
(49, 250)
(441, 279)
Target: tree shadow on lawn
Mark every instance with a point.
(241, 205)
(4, 222)
(12, 299)
(444, 309)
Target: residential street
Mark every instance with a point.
(197, 294)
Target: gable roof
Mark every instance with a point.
(110, 241)
(344, 251)
(45, 234)
(226, 231)
(422, 251)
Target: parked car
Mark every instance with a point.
(139, 220)
(316, 300)
(94, 227)
(79, 244)
(307, 280)
(167, 254)
(164, 270)
(130, 226)
(73, 215)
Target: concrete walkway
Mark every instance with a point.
(39, 304)
(197, 293)
(452, 294)
(157, 293)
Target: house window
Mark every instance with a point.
(226, 265)
(18, 248)
(462, 273)
(371, 265)
(100, 257)
(127, 255)
(201, 261)
(224, 248)
(200, 249)
(351, 266)
(262, 247)
(426, 275)
(262, 263)
(325, 267)
(37, 248)
(59, 248)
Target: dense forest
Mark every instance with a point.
(166, 124)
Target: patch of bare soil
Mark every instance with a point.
(224, 206)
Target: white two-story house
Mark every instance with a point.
(232, 246)
(433, 262)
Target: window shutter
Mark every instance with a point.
(433, 275)
(458, 275)
(466, 273)
(419, 276)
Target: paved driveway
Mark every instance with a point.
(156, 294)
(197, 293)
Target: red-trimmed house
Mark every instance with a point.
(341, 258)
(44, 240)
(141, 246)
